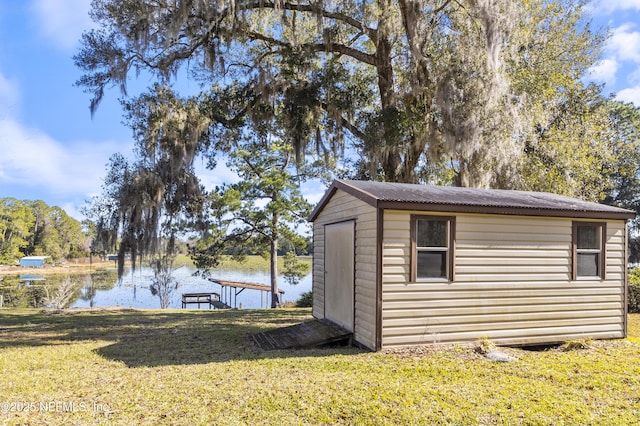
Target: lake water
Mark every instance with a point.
(104, 289)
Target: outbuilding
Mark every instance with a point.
(33, 261)
(404, 264)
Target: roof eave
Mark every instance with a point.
(376, 202)
(520, 211)
(351, 190)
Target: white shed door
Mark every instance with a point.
(339, 266)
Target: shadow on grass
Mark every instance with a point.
(155, 338)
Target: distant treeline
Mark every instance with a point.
(32, 228)
(286, 247)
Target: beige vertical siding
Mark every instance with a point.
(341, 207)
(512, 284)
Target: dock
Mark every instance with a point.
(212, 300)
(230, 290)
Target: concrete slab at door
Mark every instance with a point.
(339, 273)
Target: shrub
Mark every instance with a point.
(485, 345)
(306, 300)
(634, 290)
(634, 297)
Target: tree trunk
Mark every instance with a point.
(462, 178)
(388, 154)
(275, 296)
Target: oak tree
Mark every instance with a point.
(415, 87)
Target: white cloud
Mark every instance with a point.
(629, 95)
(604, 71)
(610, 6)
(32, 159)
(313, 191)
(212, 178)
(622, 51)
(625, 43)
(62, 21)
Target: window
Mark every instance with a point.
(588, 249)
(432, 247)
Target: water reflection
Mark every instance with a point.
(102, 288)
(29, 278)
(38, 291)
(88, 294)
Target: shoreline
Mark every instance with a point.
(252, 263)
(69, 268)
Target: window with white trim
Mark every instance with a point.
(588, 250)
(432, 247)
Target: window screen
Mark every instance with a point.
(588, 249)
(432, 247)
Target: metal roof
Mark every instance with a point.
(405, 196)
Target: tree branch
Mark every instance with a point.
(347, 124)
(312, 8)
(318, 47)
(252, 227)
(251, 166)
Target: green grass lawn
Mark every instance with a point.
(130, 367)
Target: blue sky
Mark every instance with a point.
(53, 150)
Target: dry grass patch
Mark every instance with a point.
(197, 367)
